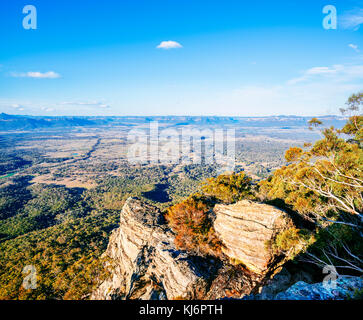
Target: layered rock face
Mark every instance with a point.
(244, 228)
(145, 263)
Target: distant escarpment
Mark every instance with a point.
(145, 263)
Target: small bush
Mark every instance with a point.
(193, 227)
(291, 241)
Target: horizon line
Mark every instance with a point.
(171, 115)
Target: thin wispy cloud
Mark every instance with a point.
(47, 109)
(166, 45)
(315, 71)
(352, 19)
(36, 75)
(12, 106)
(86, 103)
(354, 47)
(337, 73)
(302, 99)
(17, 107)
(322, 88)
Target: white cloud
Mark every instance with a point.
(354, 47)
(36, 74)
(307, 99)
(351, 19)
(169, 45)
(337, 73)
(86, 103)
(319, 90)
(16, 106)
(47, 109)
(322, 70)
(312, 72)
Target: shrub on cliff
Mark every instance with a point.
(192, 224)
(291, 242)
(191, 220)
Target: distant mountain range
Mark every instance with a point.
(19, 122)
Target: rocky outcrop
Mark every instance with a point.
(144, 262)
(245, 227)
(340, 289)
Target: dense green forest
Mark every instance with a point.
(62, 232)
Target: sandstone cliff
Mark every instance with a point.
(145, 264)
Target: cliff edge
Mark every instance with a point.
(144, 262)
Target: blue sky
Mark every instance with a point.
(241, 58)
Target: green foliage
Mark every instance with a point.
(354, 125)
(322, 181)
(54, 229)
(13, 196)
(339, 235)
(357, 295)
(140, 181)
(228, 188)
(63, 231)
(45, 206)
(314, 122)
(66, 258)
(324, 184)
(291, 242)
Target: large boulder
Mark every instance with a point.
(245, 228)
